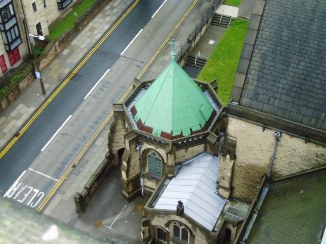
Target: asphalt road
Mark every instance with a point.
(31, 173)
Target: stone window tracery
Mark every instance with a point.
(161, 234)
(154, 164)
(180, 234)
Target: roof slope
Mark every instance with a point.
(287, 72)
(173, 104)
(293, 211)
(195, 186)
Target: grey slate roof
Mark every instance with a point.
(287, 71)
(292, 212)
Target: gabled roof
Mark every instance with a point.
(195, 186)
(287, 72)
(293, 211)
(173, 104)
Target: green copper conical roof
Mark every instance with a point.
(173, 104)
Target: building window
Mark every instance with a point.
(11, 34)
(9, 27)
(7, 12)
(11, 38)
(176, 231)
(161, 235)
(39, 29)
(14, 56)
(184, 235)
(180, 234)
(3, 64)
(34, 6)
(154, 163)
(62, 4)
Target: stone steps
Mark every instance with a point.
(221, 20)
(196, 61)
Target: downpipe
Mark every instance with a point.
(138, 148)
(277, 135)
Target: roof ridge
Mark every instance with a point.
(158, 93)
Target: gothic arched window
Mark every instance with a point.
(154, 163)
(180, 234)
(161, 234)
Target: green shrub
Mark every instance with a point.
(38, 51)
(15, 79)
(5, 90)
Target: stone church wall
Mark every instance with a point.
(116, 135)
(162, 220)
(254, 152)
(295, 155)
(188, 153)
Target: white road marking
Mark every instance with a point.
(110, 227)
(96, 84)
(16, 181)
(131, 41)
(158, 9)
(47, 176)
(22, 193)
(55, 133)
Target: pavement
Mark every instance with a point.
(16, 115)
(61, 206)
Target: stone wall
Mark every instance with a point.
(15, 92)
(185, 154)
(254, 152)
(116, 134)
(164, 221)
(296, 155)
(83, 198)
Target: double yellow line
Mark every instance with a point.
(167, 39)
(107, 119)
(80, 155)
(64, 83)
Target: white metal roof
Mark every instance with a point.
(323, 241)
(195, 186)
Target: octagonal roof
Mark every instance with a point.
(173, 105)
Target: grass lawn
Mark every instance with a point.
(235, 3)
(68, 22)
(223, 62)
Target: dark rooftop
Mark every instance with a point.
(287, 71)
(293, 211)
